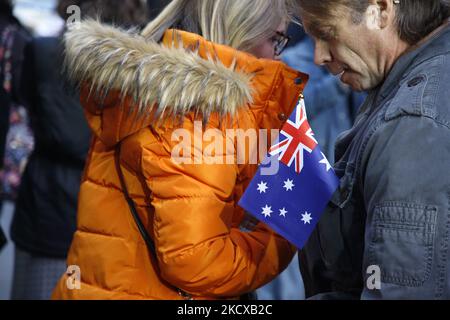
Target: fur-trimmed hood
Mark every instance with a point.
(174, 78)
(183, 74)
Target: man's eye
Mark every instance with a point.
(325, 36)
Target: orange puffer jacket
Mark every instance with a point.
(140, 94)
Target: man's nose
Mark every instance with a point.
(322, 54)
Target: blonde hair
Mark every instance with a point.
(240, 24)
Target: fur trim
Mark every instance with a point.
(167, 81)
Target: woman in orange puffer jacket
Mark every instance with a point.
(201, 65)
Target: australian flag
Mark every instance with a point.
(292, 199)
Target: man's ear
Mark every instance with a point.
(373, 17)
(379, 14)
(387, 8)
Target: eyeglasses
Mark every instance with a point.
(280, 40)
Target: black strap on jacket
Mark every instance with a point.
(3, 240)
(144, 233)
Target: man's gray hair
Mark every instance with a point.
(415, 18)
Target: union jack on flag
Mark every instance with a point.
(292, 200)
(299, 137)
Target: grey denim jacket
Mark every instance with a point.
(392, 211)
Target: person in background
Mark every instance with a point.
(45, 215)
(13, 39)
(16, 140)
(6, 21)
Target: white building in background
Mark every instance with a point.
(39, 16)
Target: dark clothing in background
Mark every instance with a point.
(3, 239)
(155, 7)
(45, 216)
(4, 122)
(9, 27)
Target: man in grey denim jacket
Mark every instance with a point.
(386, 232)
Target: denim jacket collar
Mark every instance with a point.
(437, 44)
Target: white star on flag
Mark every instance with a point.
(325, 162)
(283, 212)
(267, 211)
(289, 184)
(262, 187)
(306, 218)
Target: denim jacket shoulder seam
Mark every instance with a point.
(438, 120)
(423, 97)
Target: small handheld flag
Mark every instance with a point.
(292, 200)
